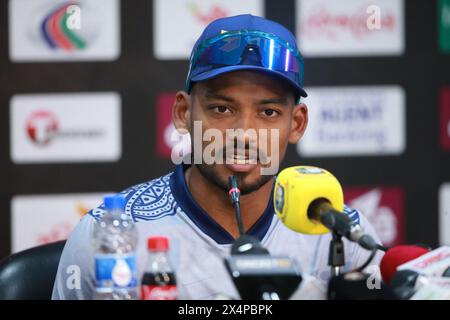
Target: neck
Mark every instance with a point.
(216, 202)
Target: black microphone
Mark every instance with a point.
(234, 194)
(321, 210)
(245, 244)
(403, 284)
(413, 275)
(256, 274)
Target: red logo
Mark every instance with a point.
(164, 125)
(214, 13)
(41, 126)
(384, 208)
(445, 118)
(58, 232)
(432, 260)
(324, 23)
(166, 292)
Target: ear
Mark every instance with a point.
(181, 111)
(299, 122)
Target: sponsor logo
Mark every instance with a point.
(349, 28)
(163, 292)
(43, 219)
(213, 13)
(50, 30)
(354, 121)
(56, 28)
(191, 16)
(65, 127)
(383, 207)
(43, 126)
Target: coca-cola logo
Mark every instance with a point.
(168, 292)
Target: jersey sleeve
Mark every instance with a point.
(75, 276)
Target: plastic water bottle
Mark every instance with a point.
(158, 281)
(115, 239)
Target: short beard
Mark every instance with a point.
(207, 171)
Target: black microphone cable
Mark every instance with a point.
(367, 262)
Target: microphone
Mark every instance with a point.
(310, 200)
(235, 194)
(414, 272)
(245, 244)
(397, 256)
(234, 191)
(256, 274)
(395, 285)
(262, 276)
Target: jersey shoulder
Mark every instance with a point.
(353, 214)
(150, 200)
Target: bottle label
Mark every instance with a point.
(112, 270)
(151, 292)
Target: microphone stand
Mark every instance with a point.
(336, 257)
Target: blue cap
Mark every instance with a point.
(250, 23)
(114, 202)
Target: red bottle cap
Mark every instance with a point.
(158, 243)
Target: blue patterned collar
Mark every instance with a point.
(202, 219)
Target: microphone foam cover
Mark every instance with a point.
(397, 256)
(296, 188)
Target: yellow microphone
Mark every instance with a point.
(296, 188)
(310, 200)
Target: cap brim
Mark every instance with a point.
(216, 72)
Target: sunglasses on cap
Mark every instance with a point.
(246, 48)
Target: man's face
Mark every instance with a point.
(255, 103)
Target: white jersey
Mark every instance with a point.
(198, 245)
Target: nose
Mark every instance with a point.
(245, 131)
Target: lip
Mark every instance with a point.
(241, 167)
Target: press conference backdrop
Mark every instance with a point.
(86, 89)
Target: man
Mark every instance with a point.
(245, 74)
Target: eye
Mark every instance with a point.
(220, 109)
(270, 113)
